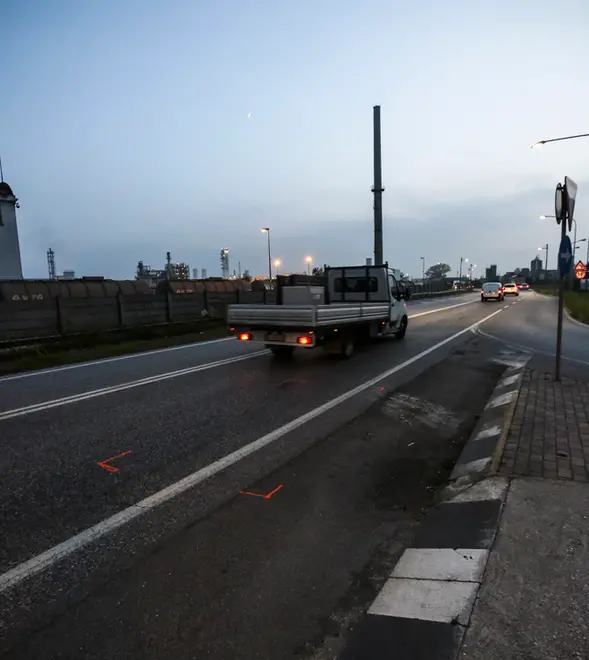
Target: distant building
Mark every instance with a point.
(10, 262)
(67, 275)
(491, 273)
(195, 273)
(203, 275)
(536, 266)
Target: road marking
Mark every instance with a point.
(111, 468)
(46, 559)
(118, 358)
(441, 309)
(74, 398)
(266, 497)
(92, 394)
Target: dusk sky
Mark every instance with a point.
(125, 129)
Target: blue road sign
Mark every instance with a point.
(565, 257)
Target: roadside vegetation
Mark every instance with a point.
(576, 302)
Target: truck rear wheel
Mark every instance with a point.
(347, 348)
(282, 352)
(402, 331)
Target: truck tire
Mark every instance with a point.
(282, 352)
(402, 331)
(347, 348)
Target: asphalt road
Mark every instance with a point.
(531, 325)
(53, 488)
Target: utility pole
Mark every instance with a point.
(377, 189)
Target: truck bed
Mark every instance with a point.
(305, 316)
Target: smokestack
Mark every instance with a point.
(377, 190)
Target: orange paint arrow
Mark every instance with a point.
(112, 468)
(266, 497)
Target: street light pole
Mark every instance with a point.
(423, 268)
(559, 139)
(309, 261)
(460, 272)
(267, 231)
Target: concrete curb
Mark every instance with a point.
(423, 610)
(575, 321)
(482, 453)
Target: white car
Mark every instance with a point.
(491, 291)
(510, 289)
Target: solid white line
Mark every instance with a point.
(118, 358)
(47, 558)
(441, 309)
(74, 398)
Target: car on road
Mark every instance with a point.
(510, 288)
(491, 291)
(523, 287)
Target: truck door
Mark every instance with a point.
(396, 304)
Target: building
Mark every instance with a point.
(203, 274)
(10, 262)
(195, 273)
(67, 275)
(536, 266)
(491, 273)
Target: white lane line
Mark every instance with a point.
(49, 557)
(528, 349)
(74, 398)
(441, 309)
(118, 358)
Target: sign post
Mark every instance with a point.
(564, 207)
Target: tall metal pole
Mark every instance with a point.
(460, 272)
(377, 189)
(563, 232)
(423, 268)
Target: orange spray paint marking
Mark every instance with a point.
(111, 468)
(266, 497)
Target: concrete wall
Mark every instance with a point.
(22, 319)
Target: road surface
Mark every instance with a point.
(191, 427)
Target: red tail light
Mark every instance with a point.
(304, 341)
(245, 336)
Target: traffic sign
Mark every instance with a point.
(570, 188)
(559, 209)
(565, 256)
(580, 270)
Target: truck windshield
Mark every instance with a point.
(356, 285)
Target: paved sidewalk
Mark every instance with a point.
(533, 603)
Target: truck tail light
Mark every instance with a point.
(245, 336)
(304, 341)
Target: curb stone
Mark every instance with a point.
(424, 608)
(574, 320)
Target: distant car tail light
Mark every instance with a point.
(245, 336)
(304, 341)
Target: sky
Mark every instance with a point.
(129, 128)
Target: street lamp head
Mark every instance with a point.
(308, 260)
(277, 262)
(265, 229)
(538, 145)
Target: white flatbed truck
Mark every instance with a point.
(352, 304)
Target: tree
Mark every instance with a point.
(437, 271)
(318, 271)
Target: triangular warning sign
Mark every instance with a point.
(580, 266)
